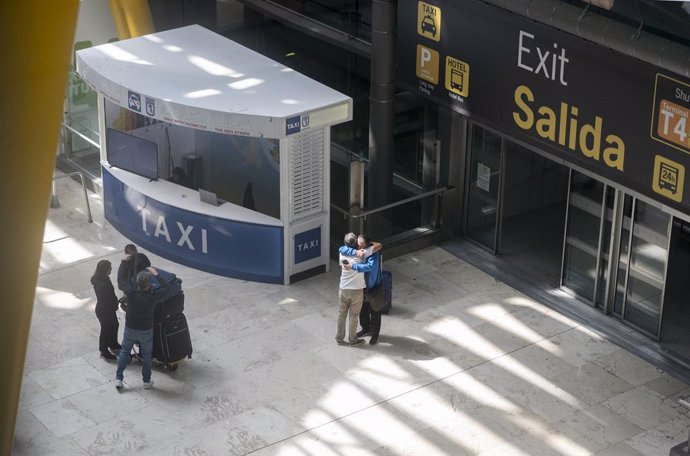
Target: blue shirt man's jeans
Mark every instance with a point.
(145, 339)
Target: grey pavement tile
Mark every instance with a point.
(591, 384)
(596, 428)
(666, 385)
(62, 417)
(438, 257)
(269, 424)
(205, 334)
(622, 449)
(673, 400)
(231, 322)
(642, 407)
(543, 442)
(32, 438)
(408, 267)
(629, 367)
(67, 378)
(497, 338)
(467, 277)
(539, 361)
(229, 438)
(104, 403)
(438, 404)
(579, 346)
(659, 440)
(545, 322)
(446, 318)
(32, 395)
(439, 290)
(137, 432)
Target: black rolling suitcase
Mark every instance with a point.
(169, 308)
(387, 281)
(171, 341)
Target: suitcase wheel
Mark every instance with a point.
(171, 367)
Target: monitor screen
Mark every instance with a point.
(132, 154)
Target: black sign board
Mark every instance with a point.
(624, 119)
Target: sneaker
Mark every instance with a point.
(118, 384)
(108, 355)
(341, 342)
(148, 385)
(363, 333)
(357, 342)
(374, 340)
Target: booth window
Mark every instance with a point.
(240, 170)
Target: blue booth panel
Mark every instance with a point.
(225, 247)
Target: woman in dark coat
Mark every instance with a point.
(106, 306)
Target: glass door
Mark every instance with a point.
(484, 186)
(624, 256)
(605, 251)
(582, 235)
(644, 290)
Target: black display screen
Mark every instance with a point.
(132, 154)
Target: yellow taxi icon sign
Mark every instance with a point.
(429, 21)
(669, 178)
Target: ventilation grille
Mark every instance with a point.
(307, 155)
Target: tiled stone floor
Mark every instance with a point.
(465, 366)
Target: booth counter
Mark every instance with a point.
(259, 134)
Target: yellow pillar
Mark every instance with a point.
(36, 40)
(132, 18)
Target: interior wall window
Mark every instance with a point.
(409, 131)
(350, 16)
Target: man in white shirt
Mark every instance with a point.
(351, 292)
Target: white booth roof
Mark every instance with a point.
(193, 77)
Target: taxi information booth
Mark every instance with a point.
(242, 128)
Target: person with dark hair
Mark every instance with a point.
(141, 304)
(131, 265)
(370, 318)
(106, 308)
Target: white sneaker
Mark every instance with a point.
(118, 384)
(148, 385)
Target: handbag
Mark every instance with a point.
(376, 295)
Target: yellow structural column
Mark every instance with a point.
(132, 18)
(36, 40)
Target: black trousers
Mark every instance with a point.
(109, 326)
(369, 319)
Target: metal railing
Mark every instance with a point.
(81, 135)
(364, 214)
(55, 202)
